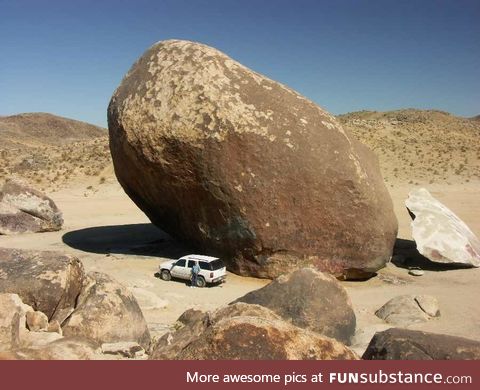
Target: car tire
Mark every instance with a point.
(201, 281)
(165, 275)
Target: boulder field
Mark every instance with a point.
(243, 167)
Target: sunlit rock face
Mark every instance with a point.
(244, 167)
(439, 234)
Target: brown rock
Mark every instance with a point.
(405, 344)
(37, 321)
(246, 332)
(15, 221)
(107, 312)
(309, 299)
(73, 348)
(50, 282)
(26, 210)
(241, 166)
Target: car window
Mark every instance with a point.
(191, 263)
(216, 264)
(180, 263)
(204, 265)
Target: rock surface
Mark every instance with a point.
(241, 166)
(440, 235)
(107, 312)
(12, 320)
(309, 299)
(409, 309)
(50, 282)
(238, 332)
(37, 321)
(26, 210)
(126, 349)
(405, 344)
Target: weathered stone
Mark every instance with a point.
(409, 309)
(237, 332)
(50, 282)
(73, 348)
(54, 327)
(309, 299)
(107, 312)
(405, 344)
(12, 321)
(440, 235)
(428, 304)
(26, 210)
(241, 166)
(37, 321)
(14, 221)
(125, 349)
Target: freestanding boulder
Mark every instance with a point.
(48, 281)
(309, 299)
(440, 235)
(26, 210)
(405, 310)
(405, 344)
(241, 166)
(107, 312)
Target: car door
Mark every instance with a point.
(178, 269)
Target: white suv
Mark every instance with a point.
(212, 269)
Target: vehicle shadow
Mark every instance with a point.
(143, 239)
(406, 255)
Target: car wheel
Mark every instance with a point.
(201, 281)
(165, 275)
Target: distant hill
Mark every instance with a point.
(34, 130)
(424, 146)
(49, 150)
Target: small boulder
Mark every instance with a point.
(26, 210)
(37, 321)
(409, 309)
(125, 349)
(405, 344)
(440, 235)
(107, 312)
(247, 332)
(48, 281)
(309, 299)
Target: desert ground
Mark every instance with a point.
(105, 229)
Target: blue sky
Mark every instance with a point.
(67, 57)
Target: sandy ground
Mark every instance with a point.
(109, 234)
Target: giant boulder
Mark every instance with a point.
(440, 235)
(26, 210)
(309, 299)
(244, 167)
(48, 281)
